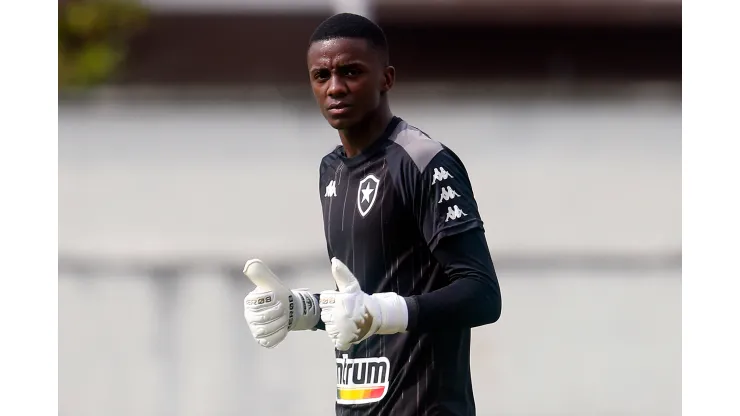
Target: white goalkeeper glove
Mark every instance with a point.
(351, 315)
(271, 310)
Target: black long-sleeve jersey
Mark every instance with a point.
(402, 216)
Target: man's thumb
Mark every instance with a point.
(261, 275)
(346, 281)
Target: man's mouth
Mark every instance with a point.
(339, 108)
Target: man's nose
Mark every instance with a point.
(337, 87)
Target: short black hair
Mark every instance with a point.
(349, 25)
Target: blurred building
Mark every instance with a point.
(228, 42)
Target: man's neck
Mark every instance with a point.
(360, 137)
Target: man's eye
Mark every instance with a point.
(323, 74)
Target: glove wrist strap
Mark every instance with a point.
(303, 310)
(394, 313)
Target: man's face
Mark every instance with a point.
(348, 77)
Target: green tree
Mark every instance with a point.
(94, 37)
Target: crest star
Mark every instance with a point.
(366, 193)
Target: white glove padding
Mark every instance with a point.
(271, 310)
(351, 315)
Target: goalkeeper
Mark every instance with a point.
(408, 251)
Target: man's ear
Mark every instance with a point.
(389, 78)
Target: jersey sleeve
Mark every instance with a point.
(473, 296)
(443, 200)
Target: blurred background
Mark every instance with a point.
(189, 142)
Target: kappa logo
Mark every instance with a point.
(447, 194)
(440, 174)
(367, 193)
(331, 189)
(362, 380)
(454, 213)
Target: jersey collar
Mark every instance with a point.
(372, 149)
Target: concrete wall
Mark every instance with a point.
(238, 179)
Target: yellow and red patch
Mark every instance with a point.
(360, 393)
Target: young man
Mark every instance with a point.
(409, 255)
